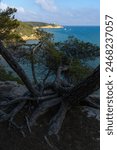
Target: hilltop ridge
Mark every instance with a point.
(27, 29)
(43, 25)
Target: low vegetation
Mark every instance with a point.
(40, 24)
(25, 29)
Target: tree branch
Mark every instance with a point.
(18, 69)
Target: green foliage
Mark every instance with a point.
(53, 57)
(77, 49)
(77, 53)
(77, 71)
(73, 53)
(24, 29)
(8, 24)
(44, 37)
(34, 24)
(5, 75)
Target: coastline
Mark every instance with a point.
(33, 37)
(48, 27)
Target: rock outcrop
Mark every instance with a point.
(11, 90)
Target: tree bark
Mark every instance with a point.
(33, 67)
(84, 89)
(17, 68)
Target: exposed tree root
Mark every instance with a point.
(39, 101)
(49, 99)
(42, 109)
(52, 146)
(57, 120)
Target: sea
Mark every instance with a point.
(85, 33)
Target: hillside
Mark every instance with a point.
(37, 24)
(27, 29)
(42, 24)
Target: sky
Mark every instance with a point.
(63, 12)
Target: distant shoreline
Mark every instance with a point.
(48, 27)
(33, 37)
(27, 38)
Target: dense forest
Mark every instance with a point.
(66, 80)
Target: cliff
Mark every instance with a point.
(27, 29)
(48, 27)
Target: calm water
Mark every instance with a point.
(85, 33)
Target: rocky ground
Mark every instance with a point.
(80, 130)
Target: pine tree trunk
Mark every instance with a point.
(17, 68)
(33, 67)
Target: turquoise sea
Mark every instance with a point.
(85, 33)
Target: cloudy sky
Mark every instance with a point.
(64, 12)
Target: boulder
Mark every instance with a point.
(11, 90)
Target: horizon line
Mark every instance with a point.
(64, 25)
